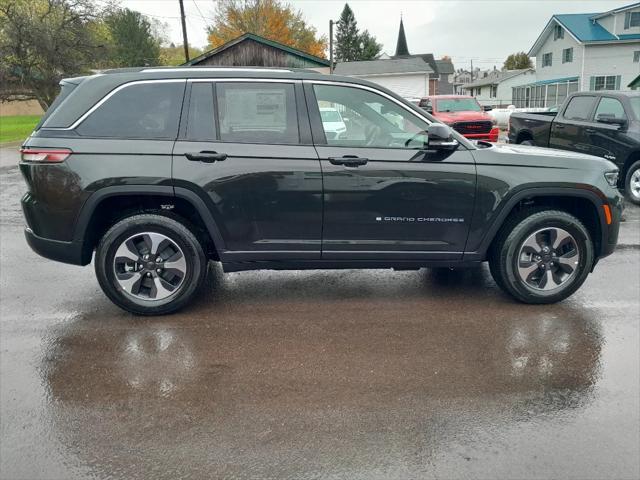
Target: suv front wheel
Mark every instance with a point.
(542, 256)
(150, 264)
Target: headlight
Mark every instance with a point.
(612, 178)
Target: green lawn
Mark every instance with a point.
(17, 128)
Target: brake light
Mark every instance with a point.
(44, 155)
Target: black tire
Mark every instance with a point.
(633, 195)
(190, 281)
(527, 142)
(505, 252)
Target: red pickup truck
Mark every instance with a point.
(464, 114)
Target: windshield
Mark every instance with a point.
(457, 105)
(330, 116)
(635, 104)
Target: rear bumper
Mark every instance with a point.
(66, 252)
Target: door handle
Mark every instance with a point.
(590, 130)
(558, 125)
(348, 161)
(206, 156)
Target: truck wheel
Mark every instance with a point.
(541, 256)
(150, 264)
(632, 183)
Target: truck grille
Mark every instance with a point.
(473, 127)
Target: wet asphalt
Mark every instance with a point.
(320, 374)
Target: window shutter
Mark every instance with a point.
(618, 78)
(627, 20)
(592, 83)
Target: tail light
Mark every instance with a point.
(44, 155)
(494, 134)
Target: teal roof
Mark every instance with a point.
(584, 28)
(553, 80)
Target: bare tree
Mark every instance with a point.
(42, 41)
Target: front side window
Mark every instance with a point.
(255, 112)
(579, 108)
(547, 59)
(610, 107)
(144, 110)
(368, 119)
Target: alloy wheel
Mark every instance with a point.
(548, 258)
(149, 266)
(634, 184)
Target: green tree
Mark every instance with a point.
(174, 55)
(517, 61)
(369, 46)
(43, 41)
(133, 40)
(351, 45)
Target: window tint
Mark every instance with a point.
(200, 123)
(610, 107)
(579, 108)
(257, 112)
(370, 120)
(146, 110)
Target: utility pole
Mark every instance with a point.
(184, 32)
(472, 70)
(330, 46)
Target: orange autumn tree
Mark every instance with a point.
(268, 18)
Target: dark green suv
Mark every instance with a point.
(160, 170)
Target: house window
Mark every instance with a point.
(547, 59)
(494, 91)
(567, 55)
(636, 56)
(605, 82)
(631, 19)
(558, 32)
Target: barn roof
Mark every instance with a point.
(265, 41)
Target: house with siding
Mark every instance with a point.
(584, 51)
(496, 88)
(409, 75)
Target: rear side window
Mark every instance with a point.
(610, 107)
(201, 123)
(579, 108)
(145, 110)
(257, 113)
(65, 90)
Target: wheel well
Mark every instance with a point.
(631, 159)
(581, 208)
(522, 136)
(113, 209)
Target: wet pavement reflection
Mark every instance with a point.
(320, 374)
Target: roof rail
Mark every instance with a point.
(217, 69)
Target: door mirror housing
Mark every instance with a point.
(611, 119)
(440, 137)
(487, 108)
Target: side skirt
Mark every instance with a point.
(341, 265)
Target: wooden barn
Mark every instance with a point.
(251, 50)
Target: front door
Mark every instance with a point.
(385, 196)
(568, 127)
(245, 147)
(609, 140)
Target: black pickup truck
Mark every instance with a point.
(603, 123)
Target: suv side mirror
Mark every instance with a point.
(440, 137)
(487, 108)
(611, 119)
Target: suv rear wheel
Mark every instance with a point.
(542, 256)
(632, 183)
(150, 264)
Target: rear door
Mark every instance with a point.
(385, 196)
(245, 147)
(568, 129)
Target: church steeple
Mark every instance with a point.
(401, 46)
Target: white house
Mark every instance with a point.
(495, 88)
(583, 51)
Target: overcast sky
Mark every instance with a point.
(485, 31)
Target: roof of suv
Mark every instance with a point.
(92, 88)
